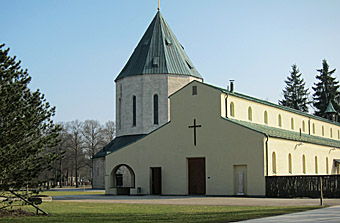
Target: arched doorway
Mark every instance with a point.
(123, 178)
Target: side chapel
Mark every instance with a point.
(179, 136)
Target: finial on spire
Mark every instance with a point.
(158, 6)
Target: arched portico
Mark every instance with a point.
(122, 178)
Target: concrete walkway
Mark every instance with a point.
(329, 215)
(194, 200)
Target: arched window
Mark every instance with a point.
(280, 121)
(316, 165)
(265, 117)
(331, 132)
(119, 113)
(303, 163)
(250, 114)
(323, 131)
(155, 109)
(303, 126)
(327, 167)
(274, 162)
(290, 165)
(292, 123)
(134, 109)
(232, 109)
(313, 128)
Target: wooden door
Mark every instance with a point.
(196, 176)
(156, 180)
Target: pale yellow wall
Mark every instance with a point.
(223, 144)
(241, 113)
(297, 149)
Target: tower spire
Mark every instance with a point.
(158, 6)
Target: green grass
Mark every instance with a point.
(60, 193)
(106, 212)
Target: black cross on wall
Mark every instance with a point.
(194, 127)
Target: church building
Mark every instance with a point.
(177, 135)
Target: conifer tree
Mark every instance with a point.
(325, 90)
(27, 132)
(295, 94)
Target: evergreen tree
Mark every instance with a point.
(325, 90)
(295, 94)
(27, 132)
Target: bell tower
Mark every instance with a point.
(157, 68)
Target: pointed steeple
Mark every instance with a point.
(330, 112)
(330, 108)
(159, 52)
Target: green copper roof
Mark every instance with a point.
(330, 108)
(159, 52)
(285, 134)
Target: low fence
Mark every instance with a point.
(303, 186)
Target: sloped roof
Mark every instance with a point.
(118, 143)
(286, 134)
(158, 52)
(330, 108)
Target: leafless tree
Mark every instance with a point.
(76, 145)
(109, 131)
(93, 139)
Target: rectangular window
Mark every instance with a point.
(155, 109)
(134, 107)
(194, 90)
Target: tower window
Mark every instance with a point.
(119, 113)
(134, 108)
(194, 90)
(155, 109)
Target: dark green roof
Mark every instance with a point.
(118, 143)
(285, 134)
(159, 52)
(330, 108)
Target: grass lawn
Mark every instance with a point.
(106, 212)
(60, 193)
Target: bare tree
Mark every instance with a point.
(76, 144)
(109, 131)
(93, 139)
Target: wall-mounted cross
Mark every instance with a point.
(194, 127)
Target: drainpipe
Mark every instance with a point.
(226, 105)
(267, 153)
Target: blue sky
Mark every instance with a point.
(74, 49)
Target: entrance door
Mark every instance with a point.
(240, 180)
(196, 176)
(156, 180)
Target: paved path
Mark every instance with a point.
(329, 215)
(194, 200)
